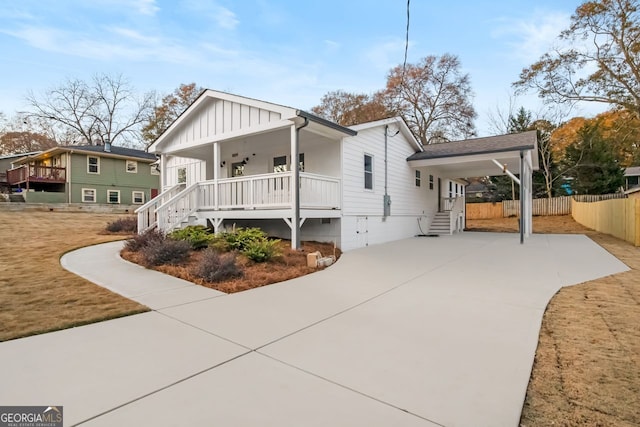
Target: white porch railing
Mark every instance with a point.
(255, 192)
(147, 218)
(455, 214)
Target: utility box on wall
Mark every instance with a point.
(386, 205)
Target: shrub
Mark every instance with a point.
(148, 238)
(128, 225)
(242, 237)
(262, 250)
(198, 236)
(216, 267)
(166, 251)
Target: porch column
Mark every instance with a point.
(216, 160)
(163, 172)
(295, 191)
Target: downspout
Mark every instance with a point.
(522, 180)
(386, 131)
(295, 164)
(69, 173)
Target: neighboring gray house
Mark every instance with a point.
(631, 177)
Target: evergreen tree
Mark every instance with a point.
(592, 163)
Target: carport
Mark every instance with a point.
(511, 155)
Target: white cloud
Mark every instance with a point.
(223, 17)
(386, 55)
(532, 37)
(332, 45)
(147, 7)
(136, 47)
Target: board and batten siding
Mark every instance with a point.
(196, 170)
(112, 176)
(363, 222)
(216, 117)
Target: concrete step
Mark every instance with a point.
(16, 198)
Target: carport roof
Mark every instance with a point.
(487, 145)
(487, 156)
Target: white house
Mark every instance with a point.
(230, 160)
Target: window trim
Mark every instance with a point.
(95, 195)
(97, 165)
(179, 181)
(133, 197)
(430, 181)
(371, 172)
(109, 197)
(126, 166)
(285, 164)
(418, 178)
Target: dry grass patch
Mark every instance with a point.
(587, 365)
(289, 265)
(36, 294)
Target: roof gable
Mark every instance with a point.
(393, 121)
(215, 114)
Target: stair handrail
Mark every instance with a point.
(166, 221)
(147, 216)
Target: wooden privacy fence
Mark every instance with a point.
(540, 207)
(619, 218)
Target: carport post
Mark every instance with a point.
(522, 196)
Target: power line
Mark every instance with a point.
(406, 41)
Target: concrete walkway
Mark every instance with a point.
(419, 332)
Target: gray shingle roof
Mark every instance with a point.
(491, 144)
(633, 171)
(120, 151)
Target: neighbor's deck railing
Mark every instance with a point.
(36, 173)
(255, 192)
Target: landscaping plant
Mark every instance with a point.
(197, 236)
(148, 238)
(128, 224)
(216, 267)
(166, 251)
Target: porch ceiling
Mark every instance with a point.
(472, 166)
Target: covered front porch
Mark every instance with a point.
(231, 157)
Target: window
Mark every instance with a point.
(430, 182)
(93, 164)
(280, 164)
(301, 162)
(113, 196)
(237, 169)
(132, 166)
(368, 172)
(155, 169)
(182, 175)
(137, 197)
(450, 189)
(88, 195)
(417, 178)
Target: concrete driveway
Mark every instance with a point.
(419, 332)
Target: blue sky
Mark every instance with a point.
(288, 52)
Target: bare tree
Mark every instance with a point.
(434, 97)
(598, 59)
(104, 109)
